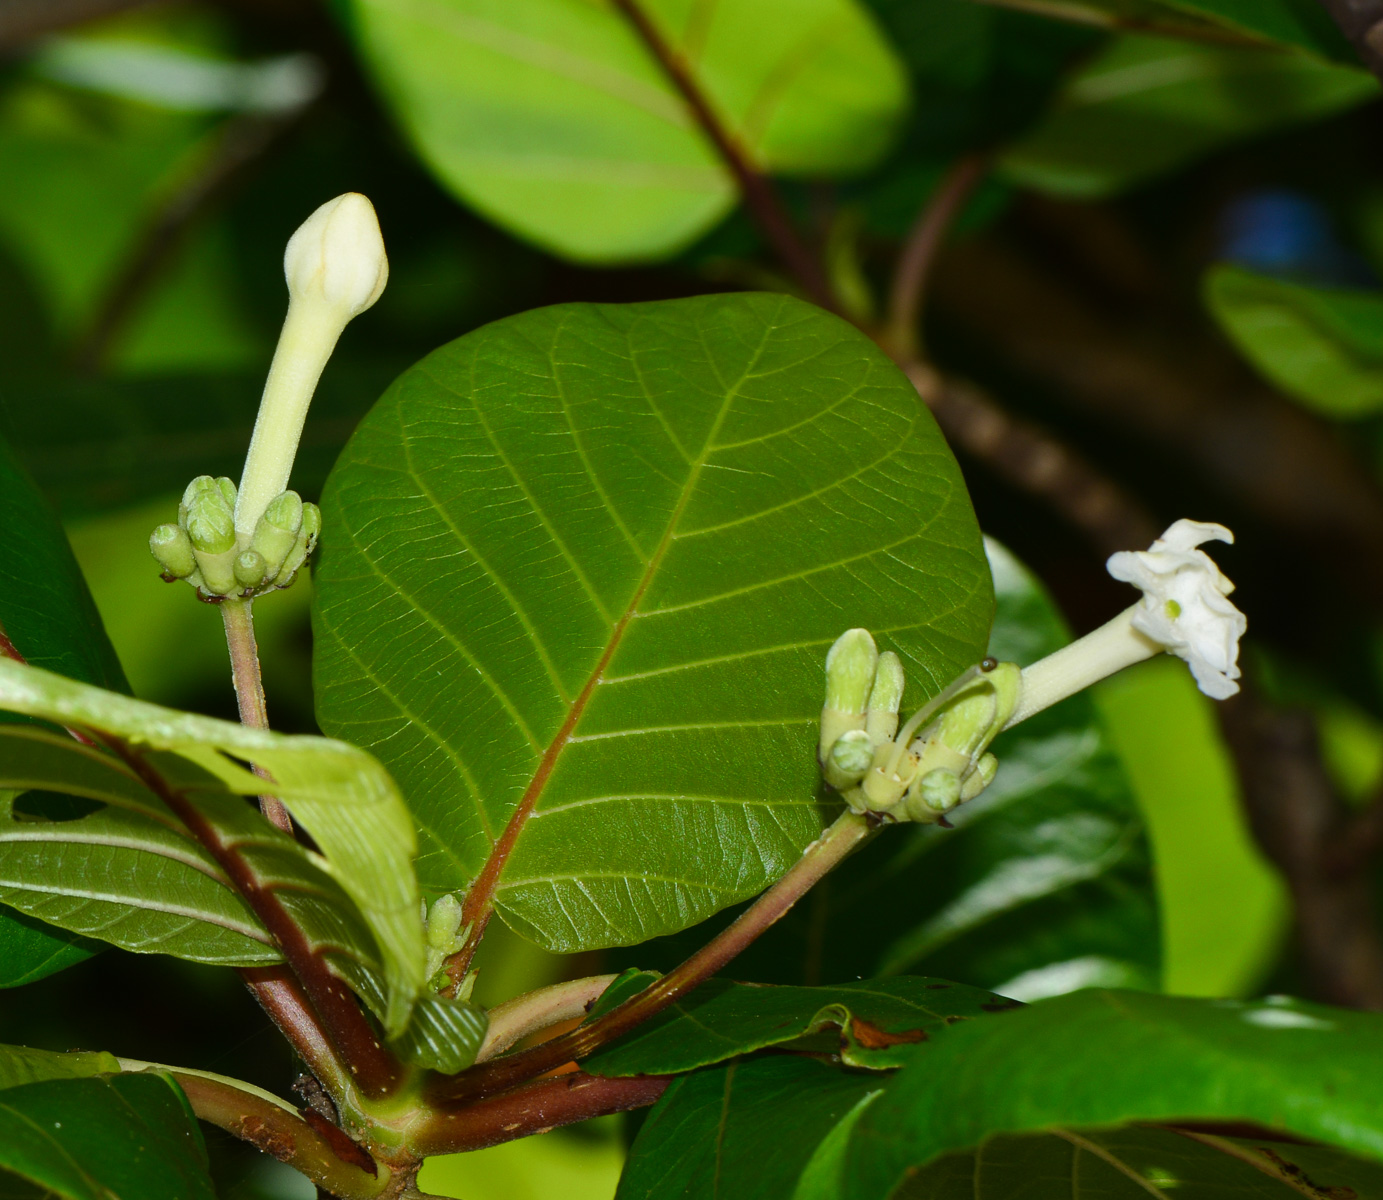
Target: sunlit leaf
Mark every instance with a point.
(552, 118)
(20, 1065)
(578, 576)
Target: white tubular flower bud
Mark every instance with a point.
(336, 268)
(1184, 611)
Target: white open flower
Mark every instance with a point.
(1185, 606)
(1184, 611)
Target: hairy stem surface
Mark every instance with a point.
(238, 618)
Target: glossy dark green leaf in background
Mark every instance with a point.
(127, 1136)
(1321, 345)
(865, 1022)
(47, 612)
(591, 558)
(1145, 106)
(1108, 1057)
(20, 1065)
(745, 1130)
(1135, 1162)
(552, 118)
(1043, 886)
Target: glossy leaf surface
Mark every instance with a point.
(1133, 1163)
(20, 1065)
(1043, 886)
(580, 570)
(342, 796)
(552, 117)
(1286, 1065)
(745, 1130)
(47, 612)
(1146, 106)
(1322, 345)
(869, 1023)
(131, 1136)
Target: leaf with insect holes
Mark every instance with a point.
(578, 577)
(339, 794)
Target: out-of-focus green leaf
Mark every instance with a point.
(1300, 24)
(339, 794)
(1106, 1058)
(1043, 886)
(579, 573)
(1204, 856)
(1321, 345)
(129, 1136)
(745, 1130)
(20, 1065)
(47, 612)
(866, 1023)
(1146, 106)
(579, 1165)
(552, 117)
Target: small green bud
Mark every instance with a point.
(881, 712)
(443, 932)
(201, 484)
(850, 664)
(307, 541)
(249, 569)
(227, 486)
(211, 528)
(170, 545)
(939, 790)
(276, 532)
(980, 778)
(883, 788)
(974, 719)
(849, 759)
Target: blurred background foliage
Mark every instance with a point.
(1171, 266)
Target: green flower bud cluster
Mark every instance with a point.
(203, 547)
(940, 758)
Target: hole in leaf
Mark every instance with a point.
(38, 805)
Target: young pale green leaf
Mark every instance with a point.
(20, 1065)
(869, 1023)
(1043, 885)
(553, 118)
(744, 1130)
(1294, 24)
(131, 1136)
(1321, 345)
(443, 1035)
(1105, 1058)
(341, 796)
(579, 573)
(1146, 106)
(1135, 1162)
(47, 613)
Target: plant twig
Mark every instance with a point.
(902, 335)
(515, 1019)
(281, 996)
(760, 197)
(273, 1126)
(848, 831)
(238, 618)
(372, 1067)
(536, 1108)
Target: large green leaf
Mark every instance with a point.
(1044, 884)
(20, 1065)
(1300, 24)
(47, 612)
(552, 117)
(1321, 345)
(865, 1022)
(341, 796)
(1133, 1163)
(1105, 1058)
(128, 1136)
(579, 573)
(1146, 106)
(743, 1131)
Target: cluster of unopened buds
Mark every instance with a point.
(204, 549)
(941, 757)
(938, 760)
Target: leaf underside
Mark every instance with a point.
(579, 572)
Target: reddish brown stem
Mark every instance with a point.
(374, 1069)
(282, 997)
(924, 239)
(500, 1074)
(759, 195)
(536, 1108)
(238, 618)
